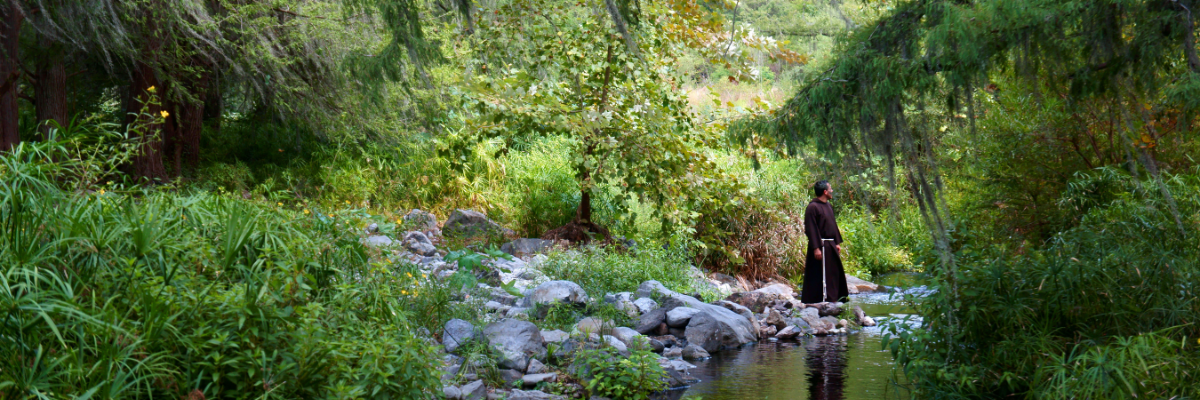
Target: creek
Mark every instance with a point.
(837, 367)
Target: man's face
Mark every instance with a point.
(829, 192)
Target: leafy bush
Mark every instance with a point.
(1106, 310)
(601, 270)
(610, 375)
(757, 242)
(156, 293)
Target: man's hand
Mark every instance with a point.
(839, 248)
(817, 253)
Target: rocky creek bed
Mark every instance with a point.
(692, 340)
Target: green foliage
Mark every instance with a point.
(156, 293)
(601, 270)
(1106, 310)
(610, 375)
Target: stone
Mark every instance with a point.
(527, 246)
(779, 289)
(518, 394)
(743, 311)
(510, 377)
(517, 341)
(843, 323)
(378, 241)
(496, 306)
(474, 391)
(470, 223)
(758, 299)
(666, 340)
(535, 367)
(612, 341)
(713, 328)
(623, 301)
(451, 392)
(455, 333)
(373, 228)
(650, 321)
(645, 305)
(829, 309)
(513, 312)
(502, 297)
(857, 286)
(591, 325)
(628, 336)
(420, 220)
(555, 336)
(673, 352)
(419, 244)
(694, 352)
(863, 319)
(788, 333)
(556, 292)
(656, 346)
(534, 379)
(773, 317)
(766, 331)
(680, 316)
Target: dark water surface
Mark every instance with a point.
(849, 367)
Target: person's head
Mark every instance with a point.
(821, 189)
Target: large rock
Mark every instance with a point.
(645, 305)
(628, 336)
(650, 322)
(518, 394)
(455, 333)
(678, 317)
(420, 220)
(527, 246)
(857, 286)
(713, 328)
(555, 336)
(758, 299)
(743, 311)
(694, 352)
(774, 318)
(517, 341)
(556, 292)
(862, 317)
(470, 223)
(419, 244)
(474, 391)
(592, 325)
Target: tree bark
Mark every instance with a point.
(148, 163)
(51, 89)
(10, 27)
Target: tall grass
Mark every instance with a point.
(140, 293)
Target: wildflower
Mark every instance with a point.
(305, 211)
(405, 292)
(101, 191)
(150, 89)
(409, 274)
(280, 150)
(165, 113)
(347, 201)
(424, 275)
(279, 204)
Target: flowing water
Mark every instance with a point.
(849, 367)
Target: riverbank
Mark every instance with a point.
(538, 336)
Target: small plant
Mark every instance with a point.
(608, 374)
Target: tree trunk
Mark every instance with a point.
(51, 90)
(10, 28)
(148, 163)
(191, 123)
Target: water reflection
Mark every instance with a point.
(853, 367)
(826, 359)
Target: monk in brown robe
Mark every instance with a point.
(824, 249)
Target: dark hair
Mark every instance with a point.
(820, 187)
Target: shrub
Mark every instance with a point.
(757, 243)
(608, 374)
(158, 293)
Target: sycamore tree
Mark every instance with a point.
(602, 74)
